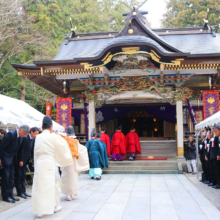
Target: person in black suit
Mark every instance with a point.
(23, 155)
(215, 155)
(2, 134)
(8, 152)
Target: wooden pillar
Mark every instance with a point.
(91, 118)
(22, 88)
(179, 118)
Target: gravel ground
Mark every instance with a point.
(213, 195)
(5, 205)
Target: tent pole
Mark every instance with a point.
(197, 156)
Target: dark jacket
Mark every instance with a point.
(214, 149)
(207, 152)
(202, 150)
(218, 147)
(9, 147)
(190, 149)
(24, 151)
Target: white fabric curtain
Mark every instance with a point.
(14, 113)
(212, 120)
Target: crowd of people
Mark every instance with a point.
(122, 145)
(16, 148)
(56, 158)
(209, 153)
(60, 158)
(100, 149)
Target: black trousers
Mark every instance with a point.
(20, 176)
(7, 180)
(213, 170)
(216, 165)
(210, 171)
(205, 170)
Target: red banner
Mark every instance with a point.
(49, 108)
(210, 103)
(64, 111)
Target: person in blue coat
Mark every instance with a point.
(98, 158)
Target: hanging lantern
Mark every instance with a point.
(49, 108)
(64, 87)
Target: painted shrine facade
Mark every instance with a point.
(136, 63)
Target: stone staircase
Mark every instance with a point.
(158, 149)
(169, 166)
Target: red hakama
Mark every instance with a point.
(118, 145)
(133, 143)
(106, 139)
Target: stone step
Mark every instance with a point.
(143, 163)
(158, 142)
(142, 168)
(155, 143)
(158, 148)
(143, 148)
(153, 152)
(162, 149)
(158, 155)
(140, 172)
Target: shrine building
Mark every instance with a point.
(137, 76)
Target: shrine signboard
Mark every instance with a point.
(64, 111)
(210, 103)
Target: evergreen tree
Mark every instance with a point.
(34, 29)
(191, 13)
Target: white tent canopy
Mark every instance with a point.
(210, 121)
(14, 113)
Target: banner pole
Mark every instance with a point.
(197, 156)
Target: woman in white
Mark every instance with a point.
(69, 174)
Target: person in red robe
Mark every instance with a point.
(106, 139)
(133, 144)
(118, 145)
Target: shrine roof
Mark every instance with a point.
(195, 43)
(92, 48)
(187, 43)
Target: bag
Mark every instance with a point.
(82, 163)
(73, 145)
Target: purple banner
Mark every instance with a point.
(191, 112)
(210, 103)
(64, 112)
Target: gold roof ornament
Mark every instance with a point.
(130, 31)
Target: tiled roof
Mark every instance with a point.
(195, 43)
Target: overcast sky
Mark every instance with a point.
(156, 9)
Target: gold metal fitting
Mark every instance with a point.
(130, 31)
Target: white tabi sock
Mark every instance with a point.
(40, 215)
(58, 208)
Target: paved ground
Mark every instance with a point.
(155, 197)
(4, 205)
(212, 194)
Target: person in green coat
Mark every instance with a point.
(98, 158)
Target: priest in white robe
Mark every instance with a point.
(69, 175)
(51, 151)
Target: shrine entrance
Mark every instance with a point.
(145, 125)
(157, 136)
